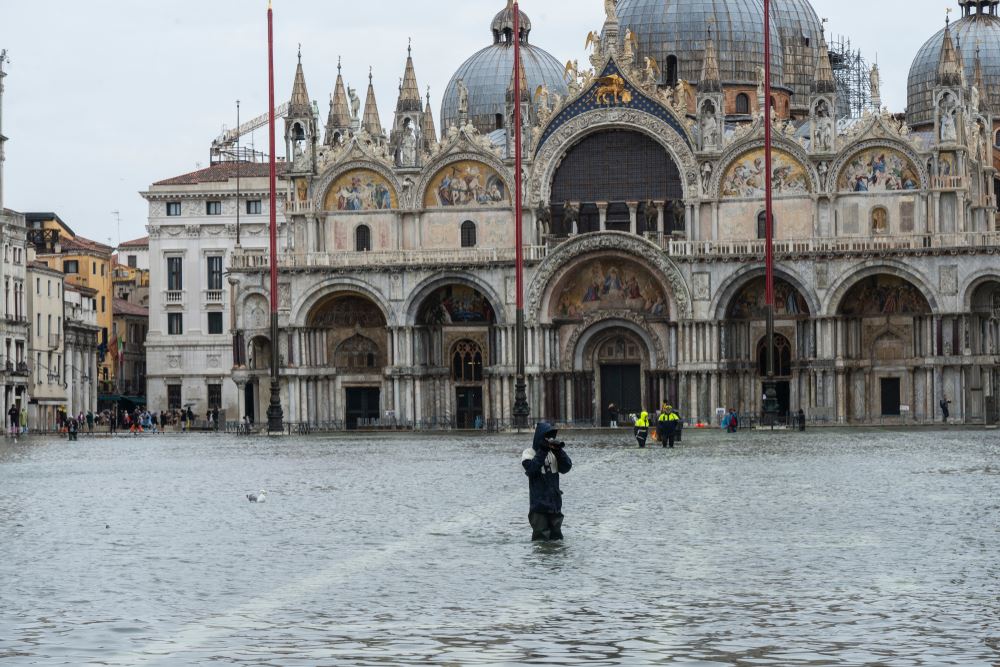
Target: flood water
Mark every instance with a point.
(823, 548)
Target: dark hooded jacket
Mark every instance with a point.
(543, 466)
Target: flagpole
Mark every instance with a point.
(520, 410)
(275, 416)
(770, 389)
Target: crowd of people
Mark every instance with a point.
(115, 420)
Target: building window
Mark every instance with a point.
(173, 209)
(672, 71)
(214, 272)
(213, 208)
(49, 287)
(762, 225)
(363, 239)
(133, 261)
(215, 323)
(173, 397)
(38, 285)
(175, 324)
(104, 304)
(175, 274)
(743, 104)
(468, 234)
(71, 266)
(253, 207)
(467, 362)
(215, 397)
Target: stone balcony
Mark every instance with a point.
(677, 248)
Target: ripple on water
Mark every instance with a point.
(828, 548)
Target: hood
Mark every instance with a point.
(643, 415)
(541, 430)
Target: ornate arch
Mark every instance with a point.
(329, 177)
(731, 286)
(429, 172)
(650, 254)
(417, 296)
(974, 282)
(550, 153)
(889, 267)
(598, 322)
(304, 304)
(741, 148)
(855, 149)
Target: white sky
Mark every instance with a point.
(105, 97)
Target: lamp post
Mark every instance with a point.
(275, 416)
(770, 387)
(520, 410)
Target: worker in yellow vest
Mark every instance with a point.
(666, 426)
(642, 428)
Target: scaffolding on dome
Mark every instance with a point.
(853, 76)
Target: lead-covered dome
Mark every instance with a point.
(678, 29)
(487, 75)
(980, 26)
(801, 31)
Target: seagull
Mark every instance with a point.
(259, 497)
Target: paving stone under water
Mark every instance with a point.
(833, 547)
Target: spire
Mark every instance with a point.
(409, 92)
(299, 106)
(950, 70)
(339, 120)
(525, 93)
(427, 130)
(371, 121)
(980, 83)
(823, 82)
(711, 81)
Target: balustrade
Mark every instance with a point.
(672, 246)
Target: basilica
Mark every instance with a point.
(643, 236)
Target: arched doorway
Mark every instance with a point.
(887, 330)
(352, 341)
(983, 401)
(457, 343)
(782, 351)
(744, 346)
(611, 173)
(619, 366)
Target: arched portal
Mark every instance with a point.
(457, 342)
(887, 331)
(744, 345)
(347, 333)
(983, 399)
(606, 176)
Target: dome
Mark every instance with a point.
(487, 75)
(980, 25)
(679, 28)
(801, 32)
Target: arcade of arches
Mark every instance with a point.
(609, 334)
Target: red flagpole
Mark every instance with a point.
(275, 415)
(273, 165)
(520, 409)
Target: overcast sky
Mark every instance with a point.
(105, 97)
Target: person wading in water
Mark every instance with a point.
(543, 462)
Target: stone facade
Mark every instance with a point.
(644, 264)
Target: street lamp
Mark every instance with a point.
(520, 410)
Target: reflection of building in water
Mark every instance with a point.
(644, 202)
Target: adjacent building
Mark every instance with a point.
(47, 389)
(14, 371)
(80, 362)
(128, 352)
